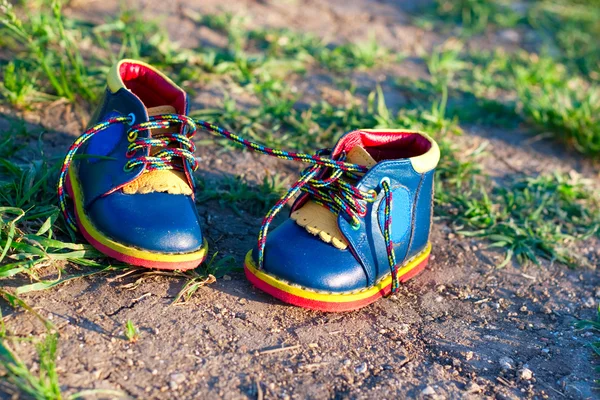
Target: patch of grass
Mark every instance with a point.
(132, 333)
(31, 232)
(502, 89)
(52, 52)
(473, 16)
(543, 93)
(19, 86)
(240, 195)
(568, 27)
(543, 217)
(570, 112)
(43, 386)
(572, 25)
(595, 327)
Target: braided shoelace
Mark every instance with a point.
(327, 180)
(166, 158)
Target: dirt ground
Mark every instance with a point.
(461, 329)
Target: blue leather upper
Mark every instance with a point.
(154, 221)
(158, 222)
(98, 176)
(294, 255)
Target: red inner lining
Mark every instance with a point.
(381, 146)
(386, 145)
(151, 88)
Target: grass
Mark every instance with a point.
(132, 333)
(532, 88)
(554, 92)
(569, 27)
(42, 386)
(239, 195)
(593, 326)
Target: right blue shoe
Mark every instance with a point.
(359, 229)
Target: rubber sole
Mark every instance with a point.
(331, 302)
(125, 253)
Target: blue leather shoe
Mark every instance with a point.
(359, 228)
(131, 183)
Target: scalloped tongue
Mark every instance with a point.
(160, 180)
(319, 220)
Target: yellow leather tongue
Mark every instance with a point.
(166, 181)
(320, 221)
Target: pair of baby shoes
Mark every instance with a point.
(359, 225)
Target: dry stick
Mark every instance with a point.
(278, 349)
(259, 391)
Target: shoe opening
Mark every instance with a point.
(150, 86)
(386, 145)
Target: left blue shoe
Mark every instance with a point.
(131, 185)
(360, 227)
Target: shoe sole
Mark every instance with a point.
(125, 253)
(329, 301)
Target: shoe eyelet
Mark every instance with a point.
(386, 180)
(130, 154)
(355, 227)
(127, 167)
(132, 136)
(132, 117)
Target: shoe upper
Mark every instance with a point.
(322, 251)
(151, 210)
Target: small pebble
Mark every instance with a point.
(428, 391)
(361, 369)
(525, 374)
(589, 302)
(178, 378)
(474, 388)
(506, 363)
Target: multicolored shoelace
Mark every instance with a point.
(327, 181)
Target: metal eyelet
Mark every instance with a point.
(355, 227)
(132, 117)
(127, 167)
(385, 179)
(129, 154)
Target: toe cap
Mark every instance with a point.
(296, 256)
(158, 222)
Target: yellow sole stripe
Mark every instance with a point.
(333, 297)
